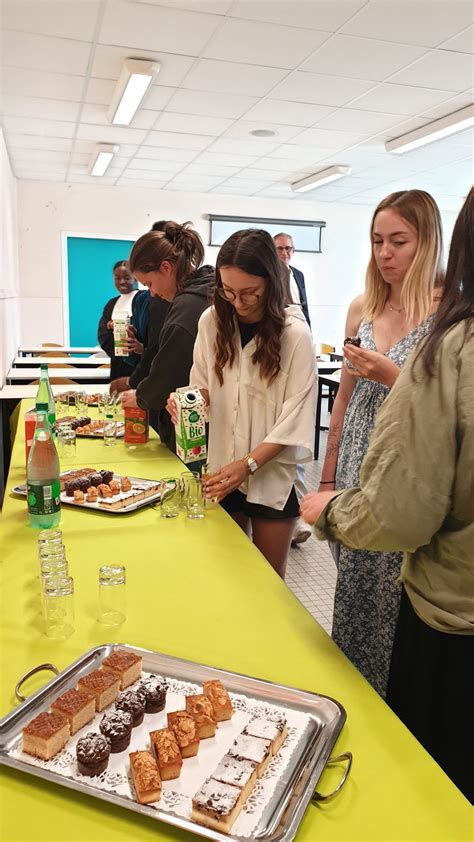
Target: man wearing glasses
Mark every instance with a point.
(285, 250)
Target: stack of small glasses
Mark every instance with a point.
(57, 587)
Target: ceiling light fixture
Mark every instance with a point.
(320, 178)
(134, 80)
(103, 154)
(436, 130)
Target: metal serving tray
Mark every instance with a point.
(100, 433)
(95, 507)
(294, 790)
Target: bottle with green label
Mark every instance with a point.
(44, 396)
(43, 484)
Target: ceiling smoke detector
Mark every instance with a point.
(263, 133)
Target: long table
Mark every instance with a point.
(77, 362)
(201, 591)
(79, 375)
(26, 350)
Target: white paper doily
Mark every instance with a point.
(177, 795)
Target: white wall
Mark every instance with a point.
(9, 286)
(46, 210)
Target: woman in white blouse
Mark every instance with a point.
(254, 363)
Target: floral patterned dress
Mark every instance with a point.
(367, 597)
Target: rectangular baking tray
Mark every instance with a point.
(283, 813)
(68, 501)
(120, 432)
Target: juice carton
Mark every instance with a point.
(136, 425)
(30, 424)
(191, 427)
(120, 335)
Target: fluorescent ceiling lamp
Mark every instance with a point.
(320, 178)
(134, 80)
(451, 124)
(104, 152)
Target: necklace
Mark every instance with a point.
(395, 309)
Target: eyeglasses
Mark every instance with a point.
(288, 249)
(248, 299)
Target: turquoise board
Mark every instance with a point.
(90, 283)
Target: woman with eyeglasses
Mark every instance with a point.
(254, 363)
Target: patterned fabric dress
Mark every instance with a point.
(367, 594)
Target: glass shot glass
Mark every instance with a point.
(208, 470)
(58, 601)
(62, 407)
(66, 441)
(81, 403)
(169, 497)
(112, 595)
(50, 536)
(51, 551)
(102, 401)
(194, 497)
(110, 428)
(51, 568)
(183, 486)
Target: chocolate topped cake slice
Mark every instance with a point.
(268, 728)
(352, 340)
(217, 805)
(252, 748)
(240, 773)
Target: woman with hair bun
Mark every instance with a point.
(397, 310)
(169, 262)
(254, 363)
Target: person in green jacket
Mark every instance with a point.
(416, 494)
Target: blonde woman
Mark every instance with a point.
(394, 313)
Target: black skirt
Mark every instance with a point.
(430, 690)
(236, 502)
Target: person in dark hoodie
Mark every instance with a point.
(169, 263)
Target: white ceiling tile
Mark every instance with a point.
(25, 175)
(319, 89)
(210, 169)
(400, 99)
(225, 158)
(108, 61)
(288, 113)
(43, 166)
(201, 180)
(463, 43)
(258, 174)
(276, 165)
(301, 153)
(402, 127)
(351, 119)
(244, 147)
(361, 58)
(250, 42)
(28, 125)
(232, 78)
(157, 97)
(226, 190)
(48, 85)
(100, 91)
(417, 24)
(84, 158)
(103, 181)
(47, 155)
(465, 138)
(110, 134)
(149, 175)
(325, 15)
(38, 52)
(49, 17)
(157, 153)
(217, 7)
(183, 187)
(151, 165)
(54, 144)
(50, 109)
(151, 28)
(250, 183)
(242, 129)
(326, 139)
(124, 181)
(449, 106)
(210, 105)
(439, 69)
(97, 115)
(191, 124)
(435, 154)
(178, 141)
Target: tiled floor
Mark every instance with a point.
(311, 572)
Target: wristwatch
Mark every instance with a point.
(250, 464)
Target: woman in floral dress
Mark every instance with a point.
(389, 319)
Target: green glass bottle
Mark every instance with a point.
(44, 396)
(44, 498)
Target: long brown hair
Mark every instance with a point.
(420, 210)
(457, 304)
(179, 244)
(253, 251)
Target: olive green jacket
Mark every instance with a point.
(417, 486)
